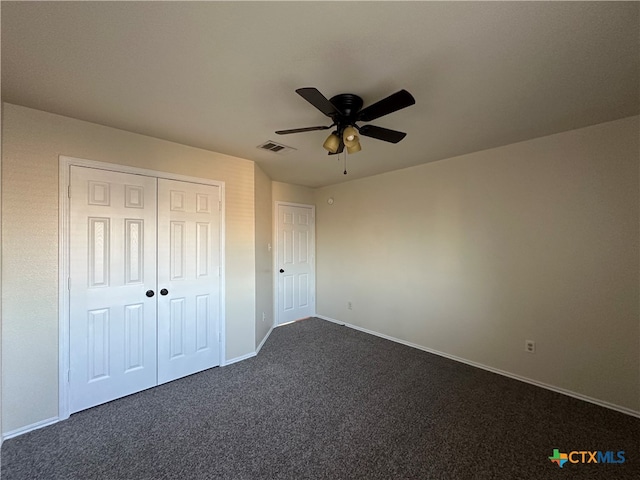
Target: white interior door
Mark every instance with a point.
(296, 262)
(188, 278)
(112, 323)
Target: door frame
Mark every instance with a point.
(276, 267)
(64, 164)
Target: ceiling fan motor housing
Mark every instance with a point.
(348, 105)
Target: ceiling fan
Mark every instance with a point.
(345, 110)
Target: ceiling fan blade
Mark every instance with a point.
(392, 103)
(340, 148)
(300, 130)
(380, 133)
(315, 98)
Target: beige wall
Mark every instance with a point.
(32, 142)
(264, 262)
(286, 192)
(472, 255)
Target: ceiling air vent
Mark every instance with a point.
(276, 147)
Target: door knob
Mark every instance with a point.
(281, 271)
(149, 293)
(164, 291)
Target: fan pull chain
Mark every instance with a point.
(345, 163)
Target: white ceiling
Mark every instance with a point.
(222, 75)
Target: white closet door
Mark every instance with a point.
(188, 278)
(112, 277)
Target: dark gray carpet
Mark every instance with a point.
(322, 401)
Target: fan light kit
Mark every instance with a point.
(345, 110)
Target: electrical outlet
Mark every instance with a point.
(264, 317)
(349, 306)
(530, 346)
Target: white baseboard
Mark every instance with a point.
(29, 428)
(264, 340)
(52, 420)
(238, 359)
(504, 373)
(579, 396)
(294, 321)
